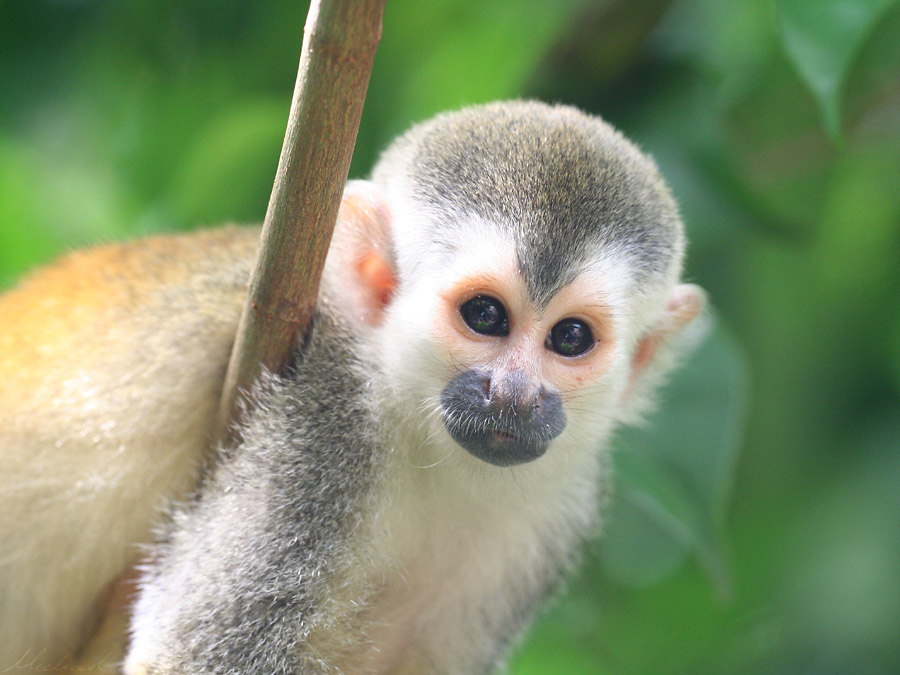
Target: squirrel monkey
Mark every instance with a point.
(498, 297)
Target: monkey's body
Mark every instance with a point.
(125, 347)
(495, 302)
(410, 562)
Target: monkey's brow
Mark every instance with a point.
(544, 280)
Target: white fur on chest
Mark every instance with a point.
(463, 544)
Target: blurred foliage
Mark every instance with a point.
(822, 39)
(754, 523)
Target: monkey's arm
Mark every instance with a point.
(110, 365)
(259, 574)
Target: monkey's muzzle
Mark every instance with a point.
(504, 421)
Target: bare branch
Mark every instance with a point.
(339, 43)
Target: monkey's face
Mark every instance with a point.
(526, 261)
(521, 364)
(508, 376)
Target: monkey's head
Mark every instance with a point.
(518, 267)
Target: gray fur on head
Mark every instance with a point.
(563, 182)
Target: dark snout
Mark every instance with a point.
(503, 420)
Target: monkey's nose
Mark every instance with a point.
(514, 391)
(502, 418)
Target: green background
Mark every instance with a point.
(755, 525)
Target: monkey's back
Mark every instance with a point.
(111, 363)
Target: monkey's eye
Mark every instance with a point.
(570, 337)
(485, 315)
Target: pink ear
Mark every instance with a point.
(362, 246)
(376, 276)
(685, 304)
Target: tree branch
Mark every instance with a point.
(339, 43)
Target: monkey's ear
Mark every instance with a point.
(659, 347)
(360, 254)
(685, 303)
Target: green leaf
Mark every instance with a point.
(822, 38)
(673, 479)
